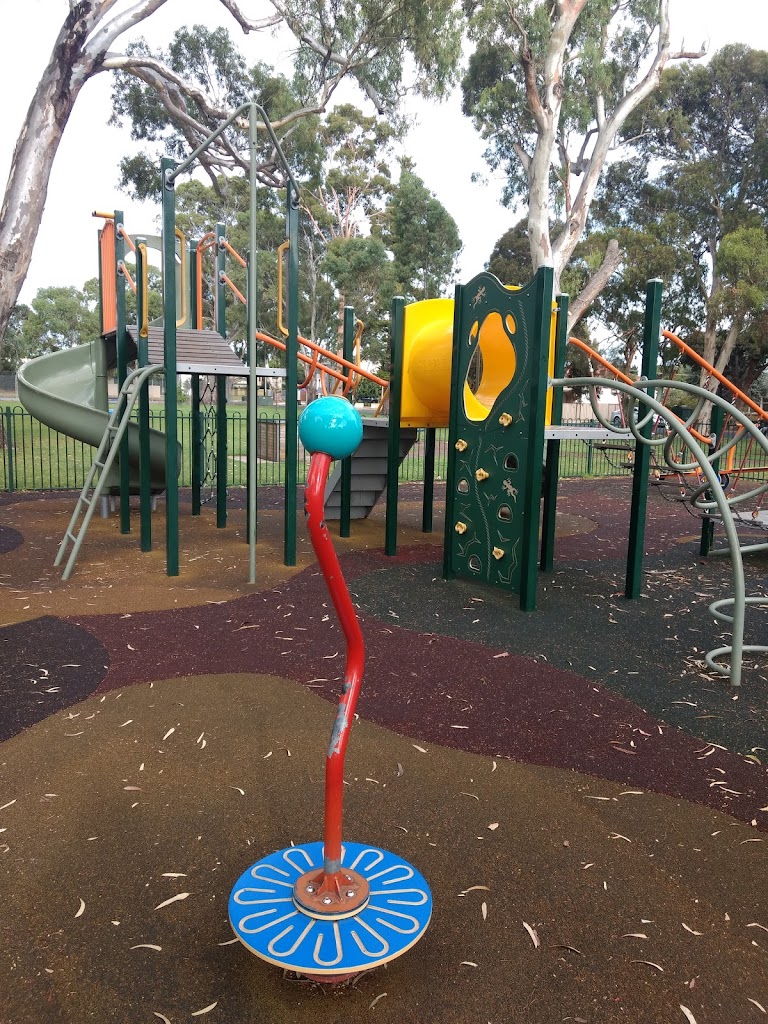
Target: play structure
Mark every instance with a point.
(331, 910)
(488, 365)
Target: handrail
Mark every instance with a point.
(693, 354)
(183, 272)
(144, 329)
(283, 247)
(208, 241)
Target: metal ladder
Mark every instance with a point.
(105, 456)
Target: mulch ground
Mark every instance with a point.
(587, 802)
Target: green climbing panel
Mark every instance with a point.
(496, 438)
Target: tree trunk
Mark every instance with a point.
(33, 157)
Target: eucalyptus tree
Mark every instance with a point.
(549, 85)
(423, 238)
(380, 46)
(698, 185)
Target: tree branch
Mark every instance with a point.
(582, 302)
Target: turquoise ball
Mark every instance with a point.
(331, 425)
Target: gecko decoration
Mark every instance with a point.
(330, 910)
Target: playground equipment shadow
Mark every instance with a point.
(588, 805)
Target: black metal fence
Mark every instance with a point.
(36, 458)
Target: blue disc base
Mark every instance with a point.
(268, 922)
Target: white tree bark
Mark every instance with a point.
(544, 91)
(83, 48)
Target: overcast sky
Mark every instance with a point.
(443, 143)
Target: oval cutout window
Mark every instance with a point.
(511, 463)
(492, 366)
(504, 513)
(463, 487)
(475, 564)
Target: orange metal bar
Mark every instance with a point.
(599, 359)
(128, 240)
(260, 336)
(233, 286)
(129, 279)
(234, 252)
(208, 241)
(623, 377)
(693, 354)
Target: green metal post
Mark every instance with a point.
(430, 437)
(9, 449)
(169, 335)
(453, 423)
(253, 320)
(221, 392)
(707, 522)
(194, 395)
(346, 465)
(121, 344)
(532, 484)
(651, 329)
(221, 451)
(291, 378)
(197, 446)
(145, 484)
(551, 468)
(396, 330)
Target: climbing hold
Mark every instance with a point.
(480, 475)
(461, 445)
(498, 553)
(505, 419)
(460, 527)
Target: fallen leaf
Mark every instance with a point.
(376, 1000)
(205, 1009)
(169, 733)
(173, 899)
(634, 935)
(758, 1005)
(493, 826)
(533, 933)
(82, 908)
(650, 963)
(467, 963)
(147, 945)
(691, 930)
(420, 749)
(484, 910)
(688, 1015)
(162, 1017)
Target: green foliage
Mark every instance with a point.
(423, 238)
(213, 64)
(698, 188)
(608, 46)
(60, 317)
(510, 259)
(12, 351)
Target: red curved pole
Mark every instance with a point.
(314, 496)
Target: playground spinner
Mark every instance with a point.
(331, 910)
